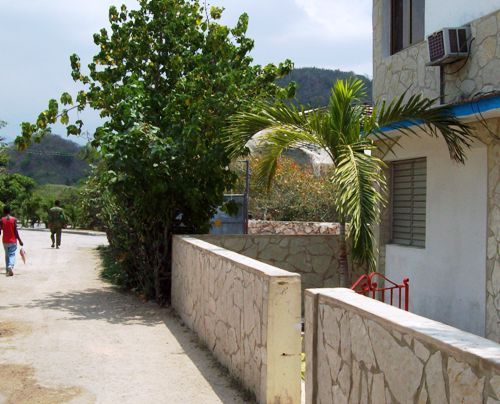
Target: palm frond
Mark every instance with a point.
(276, 141)
(346, 111)
(418, 113)
(361, 187)
(281, 127)
(263, 116)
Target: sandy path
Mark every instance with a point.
(66, 336)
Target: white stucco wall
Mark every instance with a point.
(447, 277)
(454, 13)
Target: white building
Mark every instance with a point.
(442, 226)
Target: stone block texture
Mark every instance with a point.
(407, 70)
(362, 351)
(314, 257)
(291, 228)
(246, 312)
(493, 241)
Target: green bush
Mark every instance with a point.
(166, 78)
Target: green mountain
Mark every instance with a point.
(52, 161)
(314, 85)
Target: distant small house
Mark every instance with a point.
(442, 225)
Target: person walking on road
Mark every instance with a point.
(57, 221)
(10, 235)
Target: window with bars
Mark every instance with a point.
(409, 192)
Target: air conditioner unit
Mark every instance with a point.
(448, 45)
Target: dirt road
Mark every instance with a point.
(66, 336)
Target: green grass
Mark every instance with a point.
(53, 191)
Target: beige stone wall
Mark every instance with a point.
(407, 70)
(291, 228)
(359, 351)
(246, 312)
(314, 257)
(493, 246)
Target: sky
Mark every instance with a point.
(38, 36)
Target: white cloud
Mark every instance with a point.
(349, 19)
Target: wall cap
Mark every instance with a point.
(257, 267)
(467, 346)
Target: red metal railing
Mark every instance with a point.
(368, 285)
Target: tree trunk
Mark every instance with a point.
(343, 264)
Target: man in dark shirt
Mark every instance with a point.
(57, 220)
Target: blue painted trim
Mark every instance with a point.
(480, 106)
(461, 110)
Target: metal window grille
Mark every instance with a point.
(409, 193)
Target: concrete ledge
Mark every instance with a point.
(375, 350)
(68, 231)
(245, 311)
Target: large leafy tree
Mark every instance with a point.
(350, 133)
(166, 78)
(15, 189)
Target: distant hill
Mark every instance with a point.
(52, 161)
(314, 85)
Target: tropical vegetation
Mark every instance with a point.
(297, 194)
(353, 136)
(166, 77)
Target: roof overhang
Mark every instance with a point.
(487, 107)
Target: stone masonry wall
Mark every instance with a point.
(407, 70)
(362, 351)
(493, 246)
(291, 228)
(246, 312)
(314, 257)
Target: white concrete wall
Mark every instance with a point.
(454, 13)
(448, 276)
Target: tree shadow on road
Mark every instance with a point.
(109, 304)
(106, 304)
(224, 385)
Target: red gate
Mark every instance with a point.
(368, 285)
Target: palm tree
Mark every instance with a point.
(351, 134)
